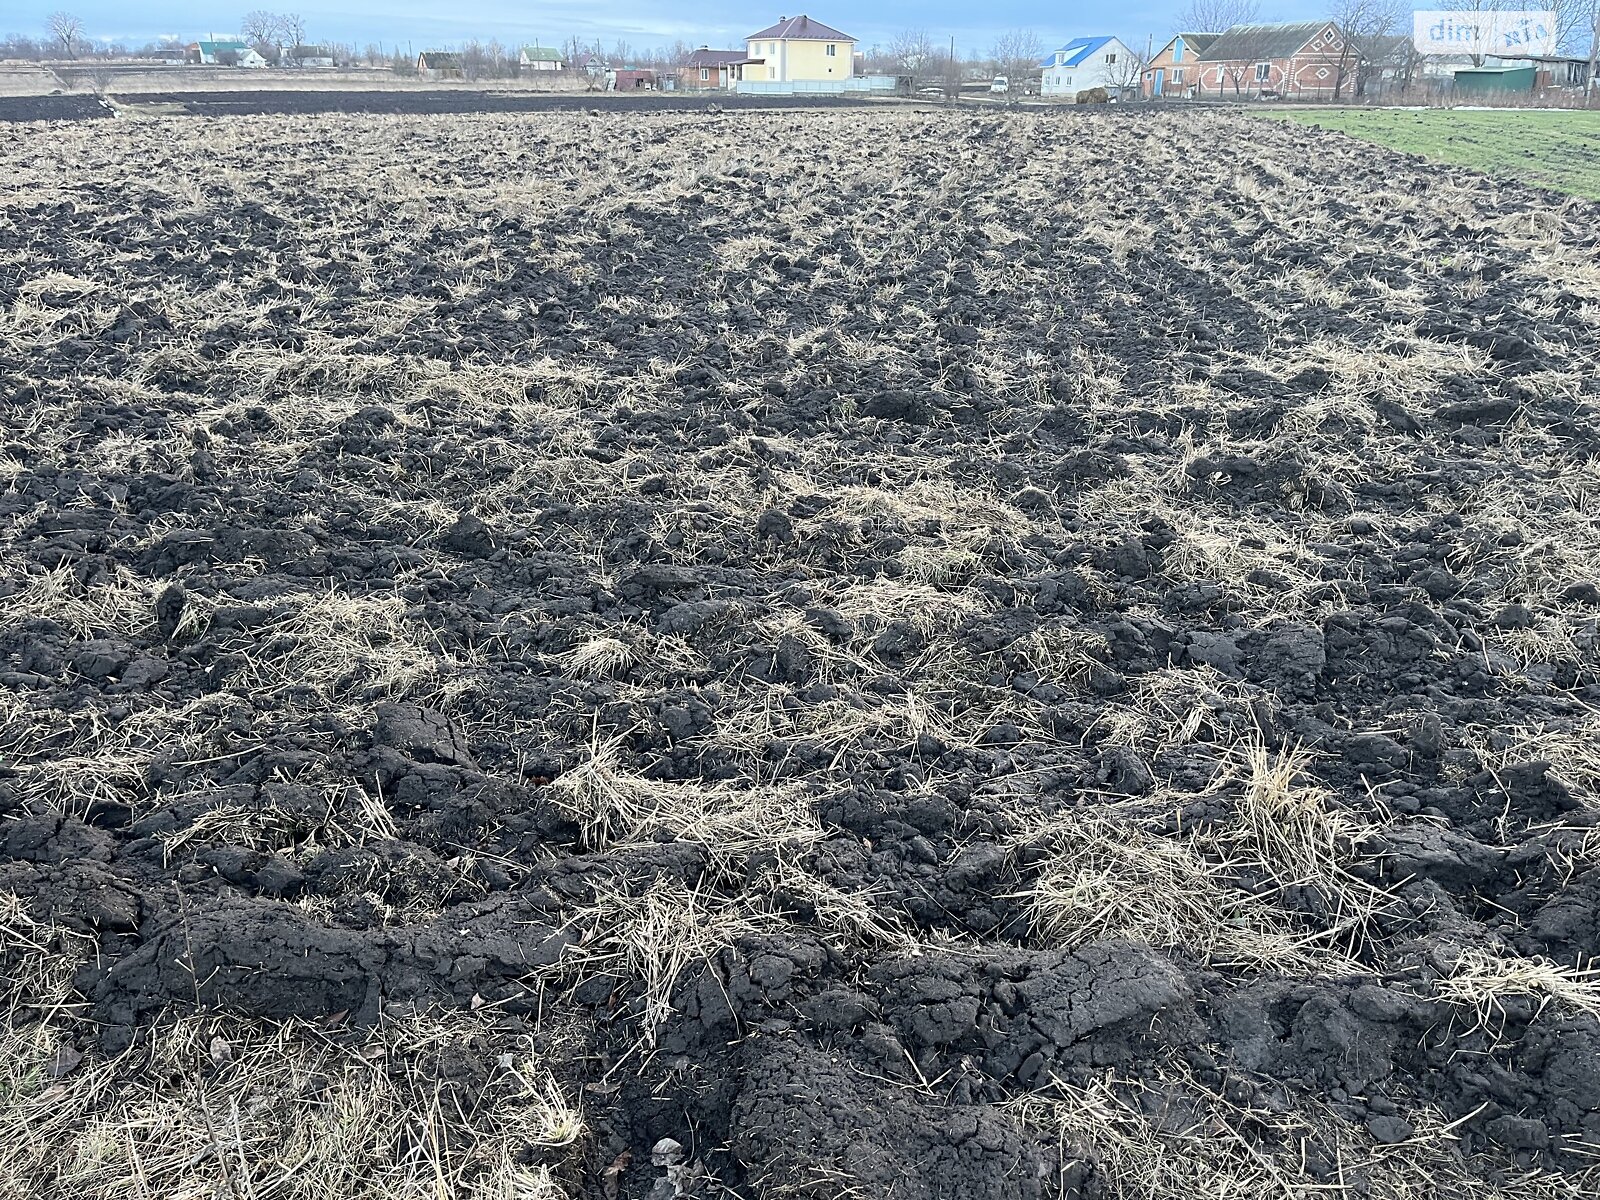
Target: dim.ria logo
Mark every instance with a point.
(1509, 32)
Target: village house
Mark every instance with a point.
(439, 64)
(631, 79)
(798, 49)
(1175, 68)
(1088, 63)
(164, 56)
(308, 56)
(712, 70)
(1301, 60)
(541, 58)
(227, 52)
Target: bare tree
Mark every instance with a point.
(1367, 33)
(950, 72)
(474, 61)
(1125, 75)
(1408, 63)
(373, 54)
(293, 28)
(1592, 83)
(1575, 25)
(1016, 56)
(20, 46)
(66, 30)
(99, 74)
(1216, 16)
(1475, 12)
(264, 31)
(573, 52)
(911, 52)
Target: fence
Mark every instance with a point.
(856, 85)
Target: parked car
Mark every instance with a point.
(1000, 84)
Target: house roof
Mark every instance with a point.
(704, 57)
(802, 28)
(1507, 60)
(440, 60)
(1198, 42)
(222, 46)
(1261, 42)
(1076, 52)
(541, 54)
(310, 52)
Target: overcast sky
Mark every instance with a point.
(974, 23)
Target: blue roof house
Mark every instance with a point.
(1091, 62)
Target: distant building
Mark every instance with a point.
(712, 70)
(541, 58)
(631, 79)
(1304, 60)
(1549, 70)
(799, 49)
(1087, 63)
(1175, 69)
(439, 64)
(225, 53)
(307, 56)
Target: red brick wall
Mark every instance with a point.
(1190, 66)
(1313, 73)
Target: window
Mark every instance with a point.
(1263, 72)
(705, 73)
(1177, 76)
(1111, 58)
(1177, 51)
(833, 51)
(772, 72)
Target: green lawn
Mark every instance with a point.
(1557, 150)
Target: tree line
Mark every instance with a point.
(281, 39)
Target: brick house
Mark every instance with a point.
(1175, 70)
(439, 64)
(1304, 60)
(712, 70)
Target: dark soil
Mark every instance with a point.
(427, 542)
(423, 102)
(53, 108)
